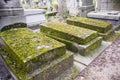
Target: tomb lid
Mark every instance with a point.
(27, 44)
(76, 31)
(96, 25)
(68, 32)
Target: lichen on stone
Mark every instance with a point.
(97, 25)
(69, 32)
(27, 48)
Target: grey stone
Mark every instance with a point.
(10, 3)
(32, 17)
(88, 59)
(87, 2)
(87, 6)
(62, 9)
(4, 74)
(85, 9)
(73, 7)
(11, 8)
(104, 15)
(107, 5)
(4, 21)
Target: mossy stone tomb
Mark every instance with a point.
(75, 38)
(31, 55)
(104, 29)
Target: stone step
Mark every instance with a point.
(69, 32)
(47, 72)
(29, 50)
(97, 25)
(77, 48)
(108, 34)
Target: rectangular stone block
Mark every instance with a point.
(108, 34)
(69, 32)
(47, 72)
(82, 49)
(100, 26)
(29, 50)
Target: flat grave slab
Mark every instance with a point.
(96, 25)
(69, 32)
(104, 29)
(33, 55)
(76, 38)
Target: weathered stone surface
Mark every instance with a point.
(73, 7)
(31, 50)
(62, 9)
(104, 29)
(4, 74)
(107, 5)
(47, 72)
(69, 32)
(87, 2)
(109, 15)
(10, 3)
(108, 34)
(82, 49)
(65, 33)
(84, 10)
(96, 25)
(11, 8)
(16, 25)
(55, 68)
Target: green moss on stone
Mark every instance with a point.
(114, 37)
(16, 25)
(82, 49)
(61, 64)
(107, 35)
(29, 49)
(69, 44)
(93, 45)
(69, 32)
(96, 25)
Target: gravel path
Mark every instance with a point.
(104, 67)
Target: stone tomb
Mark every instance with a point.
(33, 56)
(76, 39)
(107, 10)
(104, 29)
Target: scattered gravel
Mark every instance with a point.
(104, 67)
